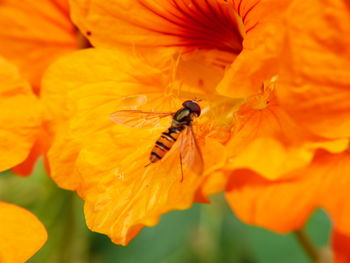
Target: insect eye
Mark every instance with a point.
(187, 103)
(192, 106)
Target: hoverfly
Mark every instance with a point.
(180, 128)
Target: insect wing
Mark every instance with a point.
(190, 151)
(138, 119)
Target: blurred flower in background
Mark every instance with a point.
(272, 79)
(20, 116)
(21, 233)
(33, 34)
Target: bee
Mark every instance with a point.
(180, 129)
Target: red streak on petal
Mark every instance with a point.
(202, 24)
(248, 11)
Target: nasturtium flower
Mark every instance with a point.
(21, 233)
(208, 36)
(243, 37)
(19, 116)
(243, 126)
(105, 162)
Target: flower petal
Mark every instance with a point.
(262, 44)
(122, 195)
(282, 206)
(315, 75)
(261, 141)
(105, 162)
(192, 24)
(40, 147)
(266, 140)
(19, 118)
(110, 71)
(21, 233)
(34, 33)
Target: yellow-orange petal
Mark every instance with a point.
(314, 77)
(110, 71)
(266, 140)
(121, 194)
(21, 233)
(215, 183)
(282, 205)
(262, 45)
(34, 33)
(263, 141)
(19, 116)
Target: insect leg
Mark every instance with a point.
(182, 172)
(148, 164)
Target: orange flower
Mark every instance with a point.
(105, 162)
(21, 233)
(33, 34)
(83, 150)
(19, 117)
(245, 36)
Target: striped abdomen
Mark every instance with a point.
(164, 143)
